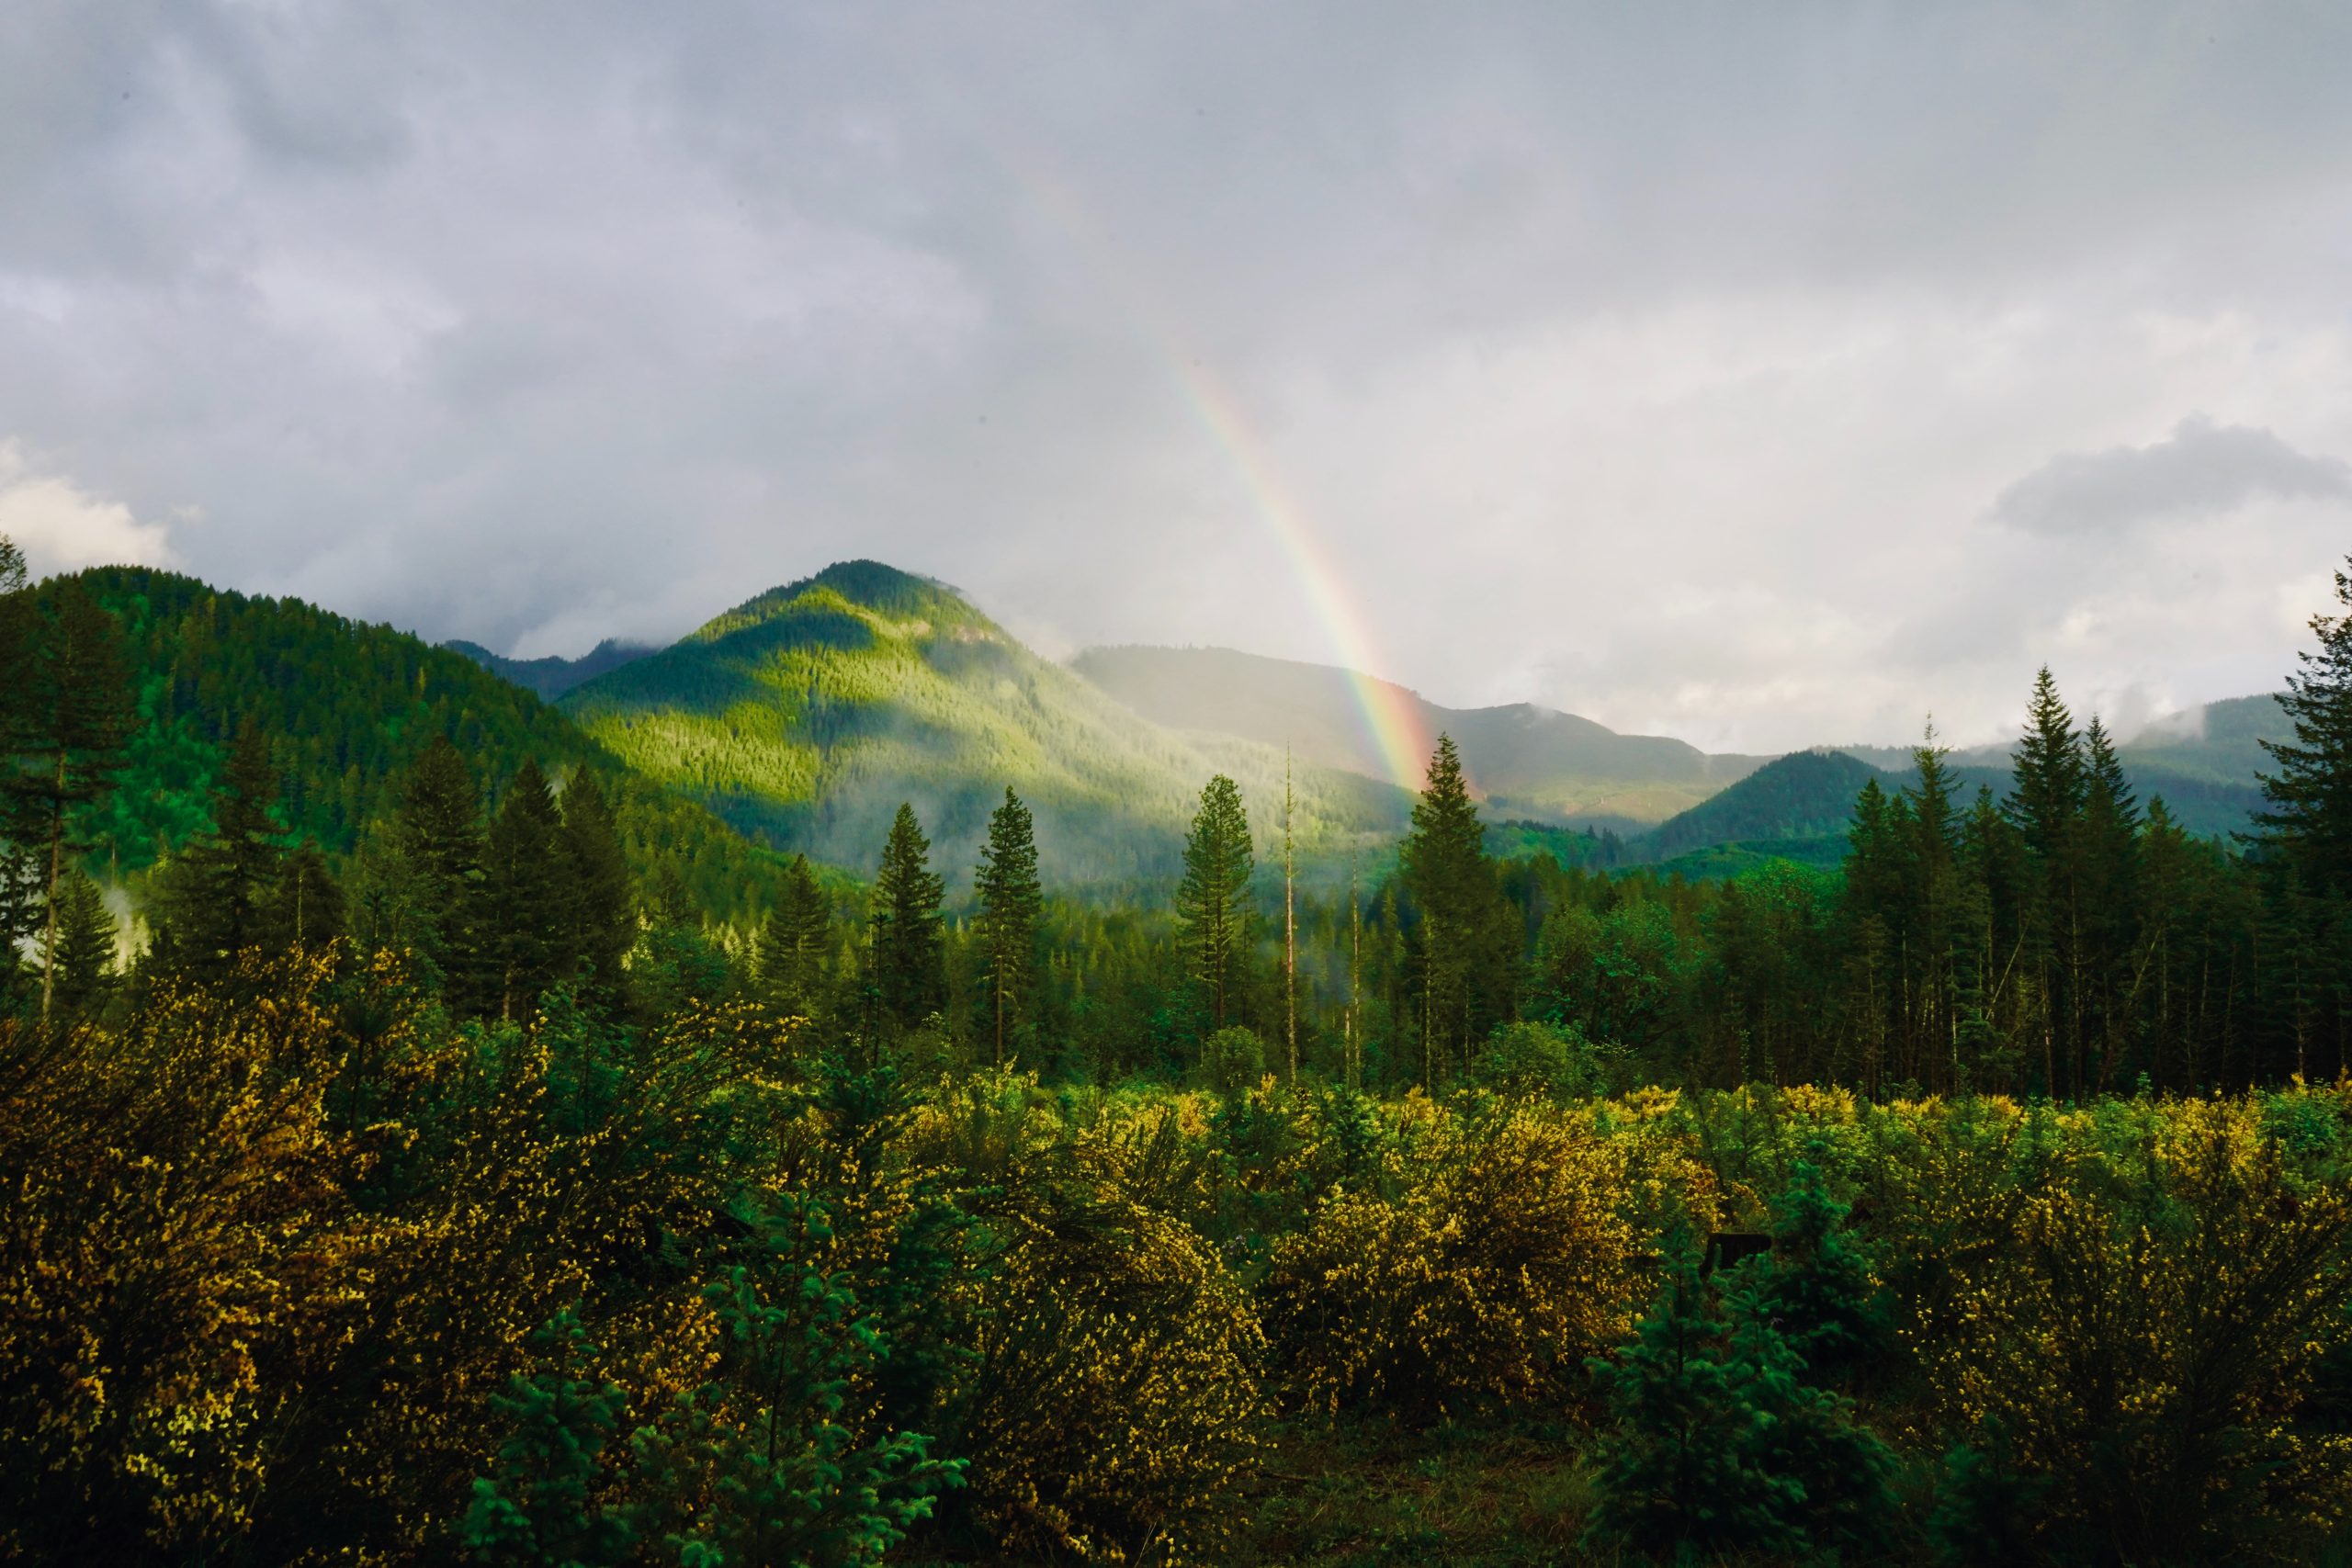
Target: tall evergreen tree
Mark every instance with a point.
(438, 840)
(86, 947)
(2305, 827)
(2109, 856)
(1011, 903)
(601, 906)
(526, 917)
(906, 941)
(1993, 892)
(795, 941)
(2046, 804)
(21, 911)
(1453, 884)
(73, 720)
(218, 900)
(2307, 812)
(307, 909)
(1930, 1033)
(1212, 900)
(1872, 909)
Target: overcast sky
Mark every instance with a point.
(1763, 375)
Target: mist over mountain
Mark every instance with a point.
(1662, 798)
(1525, 760)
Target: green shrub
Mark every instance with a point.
(1231, 1060)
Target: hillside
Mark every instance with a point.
(2203, 761)
(347, 706)
(1799, 798)
(805, 716)
(550, 678)
(1525, 760)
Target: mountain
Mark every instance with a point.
(2204, 761)
(550, 678)
(1799, 798)
(1524, 760)
(1537, 769)
(805, 716)
(346, 706)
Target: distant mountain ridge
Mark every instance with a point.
(1542, 768)
(551, 677)
(1524, 760)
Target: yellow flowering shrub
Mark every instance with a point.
(1116, 1395)
(177, 1256)
(2138, 1323)
(1504, 1257)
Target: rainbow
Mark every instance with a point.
(1392, 719)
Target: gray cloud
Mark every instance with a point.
(1650, 360)
(2201, 468)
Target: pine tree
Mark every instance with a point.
(219, 898)
(906, 941)
(1212, 900)
(2305, 826)
(1873, 911)
(1719, 1444)
(2307, 814)
(538, 1507)
(1930, 1035)
(1355, 985)
(21, 905)
(524, 897)
(1290, 936)
(2109, 853)
(795, 941)
(307, 910)
(602, 906)
(1818, 1290)
(74, 717)
(86, 947)
(437, 838)
(1452, 882)
(2046, 804)
(1682, 1466)
(1994, 893)
(1011, 902)
(1988, 1510)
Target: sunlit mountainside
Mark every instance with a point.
(347, 707)
(803, 716)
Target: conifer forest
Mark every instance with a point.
(442, 1125)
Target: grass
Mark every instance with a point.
(1502, 1494)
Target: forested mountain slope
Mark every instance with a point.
(346, 707)
(2203, 761)
(1804, 796)
(1525, 760)
(805, 716)
(550, 678)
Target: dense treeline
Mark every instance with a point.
(460, 1185)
